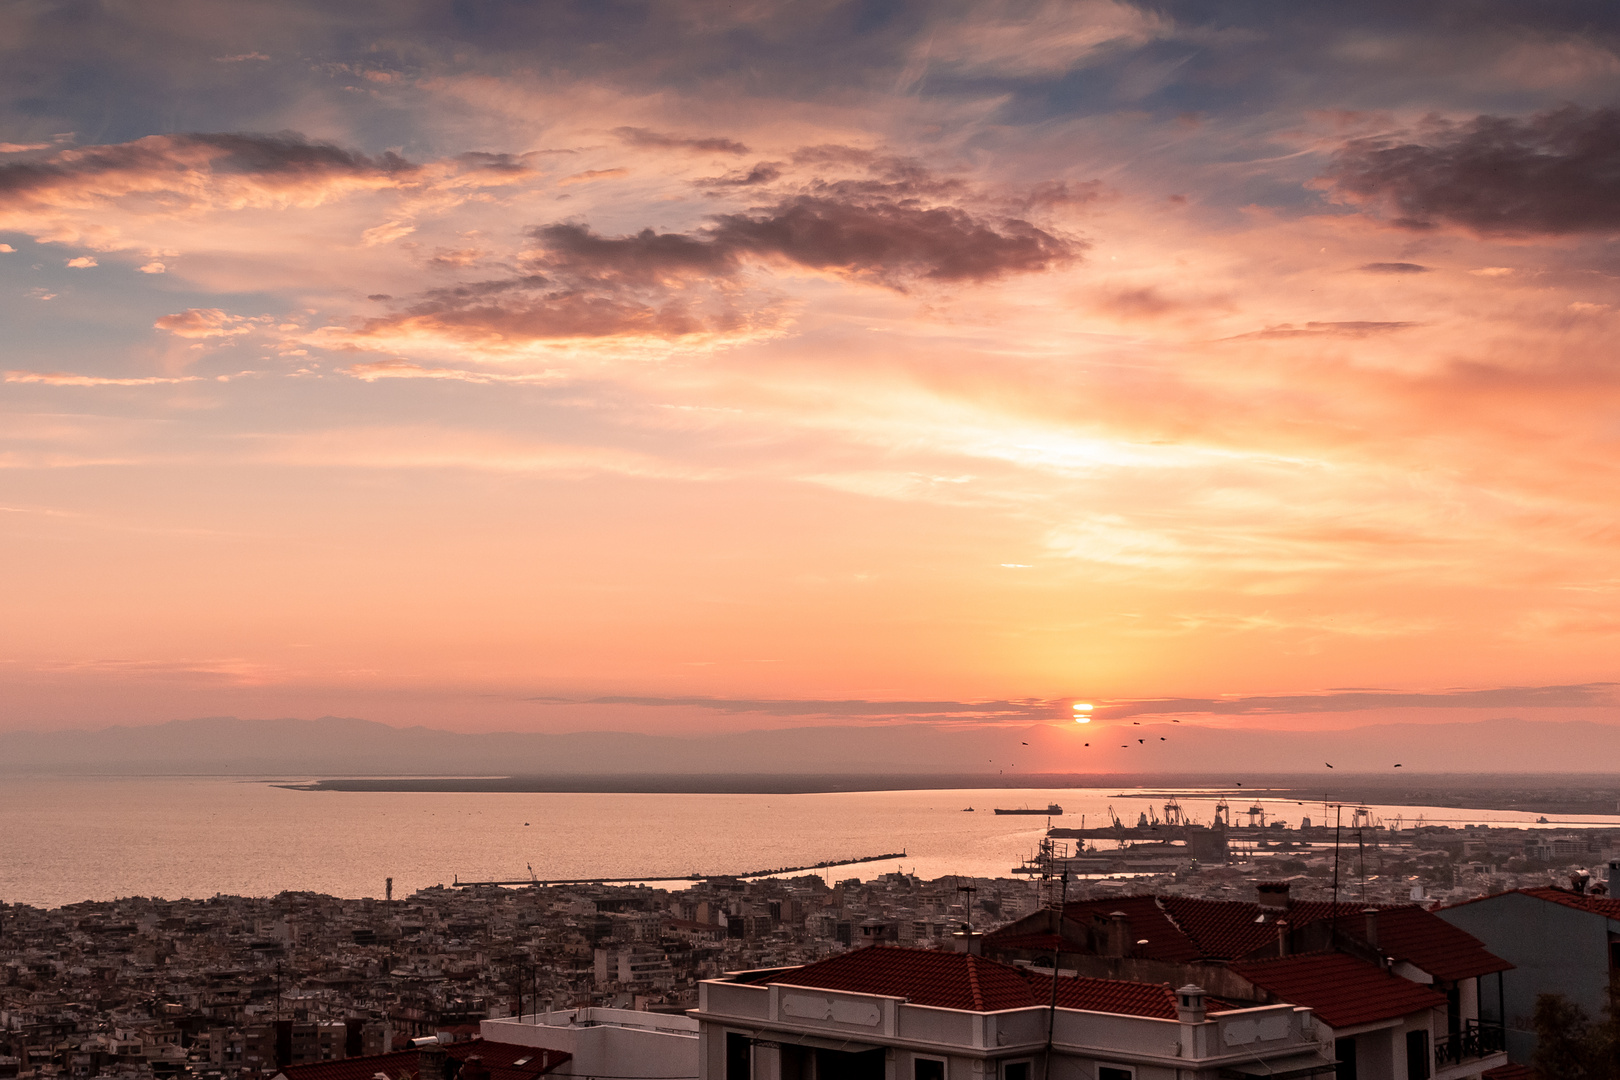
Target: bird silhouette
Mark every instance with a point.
(1329, 764)
(1239, 783)
(1088, 744)
(1023, 744)
(1141, 740)
(1161, 738)
(1397, 764)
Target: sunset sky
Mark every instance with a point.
(696, 365)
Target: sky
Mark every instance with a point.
(697, 366)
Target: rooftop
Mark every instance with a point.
(1341, 989)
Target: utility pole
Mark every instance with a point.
(1057, 948)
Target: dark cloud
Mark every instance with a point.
(875, 239)
(1551, 174)
(1394, 268)
(1579, 696)
(514, 312)
(279, 160)
(646, 257)
(763, 173)
(890, 242)
(642, 137)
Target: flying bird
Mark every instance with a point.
(1161, 738)
(1329, 764)
(1023, 744)
(1141, 740)
(1397, 764)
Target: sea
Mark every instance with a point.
(70, 839)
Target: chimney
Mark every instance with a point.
(967, 940)
(1117, 934)
(1371, 915)
(1579, 880)
(1190, 1004)
(430, 1062)
(1282, 937)
(1272, 896)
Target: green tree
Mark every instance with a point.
(1565, 1041)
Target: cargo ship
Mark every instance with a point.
(1052, 810)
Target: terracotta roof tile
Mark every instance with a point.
(1508, 1072)
(953, 980)
(1113, 996)
(1607, 906)
(947, 980)
(1340, 989)
(1148, 922)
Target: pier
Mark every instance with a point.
(542, 882)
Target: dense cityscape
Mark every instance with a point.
(242, 987)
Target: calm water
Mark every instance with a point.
(71, 839)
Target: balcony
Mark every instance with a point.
(1476, 1040)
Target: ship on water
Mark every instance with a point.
(1052, 810)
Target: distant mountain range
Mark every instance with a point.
(1011, 754)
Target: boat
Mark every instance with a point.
(1052, 810)
(967, 810)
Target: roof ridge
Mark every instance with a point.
(973, 981)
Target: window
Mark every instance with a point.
(1417, 1055)
(739, 1057)
(1115, 1072)
(1015, 1070)
(1345, 1051)
(927, 1069)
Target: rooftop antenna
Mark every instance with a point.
(1338, 812)
(967, 905)
(388, 890)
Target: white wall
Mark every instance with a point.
(607, 1042)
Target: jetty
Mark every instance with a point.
(543, 882)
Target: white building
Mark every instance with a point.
(904, 1014)
(606, 1042)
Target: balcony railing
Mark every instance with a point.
(1476, 1040)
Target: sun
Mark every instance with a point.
(1082, 712)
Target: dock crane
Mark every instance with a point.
(1257, 811)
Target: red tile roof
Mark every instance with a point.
(1147, 922)
(1340, 989)
(951, 980)
(1112, 996)
(1508, 1072)
(1426, 940)
(1027, 942)
(1228, 930)
(947, 980)
(501, 1059)
(1607, 906)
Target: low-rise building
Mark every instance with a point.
(885, 1013)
